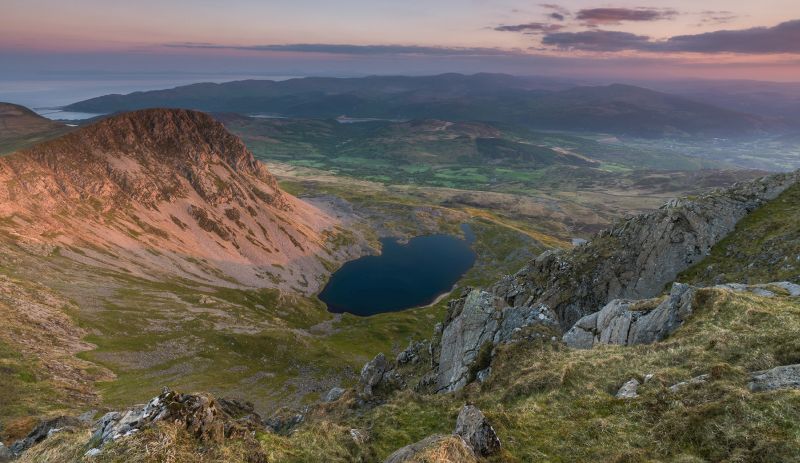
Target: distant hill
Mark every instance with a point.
(617, 109)
(21, 127)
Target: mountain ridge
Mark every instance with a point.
(454, 97)
(172, 191)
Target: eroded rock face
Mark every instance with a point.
(626, 322)
(480, 321)
(476, 430)
(638, 256)
(371, 375)
(783, 377)
(203, 417)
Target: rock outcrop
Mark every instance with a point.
(372, 374)
(783, 377)
(204, 417)
(476, 430)
(447, 448)
(476, 323)
(633, 322)
(635, 258)
(597, 292)
(473, 437)
(764, 290)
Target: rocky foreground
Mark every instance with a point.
(591, 354)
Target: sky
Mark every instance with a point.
(719, 39)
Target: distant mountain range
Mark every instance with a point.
(535, 103)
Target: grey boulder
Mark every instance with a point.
(476, 430)
(372, 374)
(623, 322)
(334, 394)
(783, 377)
(629, 390)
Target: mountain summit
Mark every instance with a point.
(163, 192)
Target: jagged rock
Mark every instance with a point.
(463, 337)
(636, 257)
(629, 390)
(203, 417)
(476, 430)
(334, 394)
(692, 382)
(783, 377)
(476, 321)
(412, 353)
(92, 452)
(372, 374)
(626, 322)
(42, 431)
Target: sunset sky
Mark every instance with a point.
(634, 39)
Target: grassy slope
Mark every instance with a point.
(765, 247)
(550, 403)
(263, 346)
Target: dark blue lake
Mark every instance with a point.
(402, 276)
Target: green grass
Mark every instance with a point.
(550, 403)
(764, 247)
(26, 390)
(472, 156)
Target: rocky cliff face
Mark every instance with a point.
(633, 260)
(636, 258)
(164, 193)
